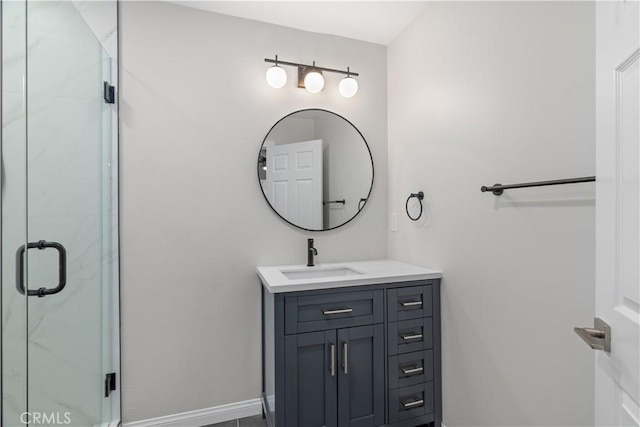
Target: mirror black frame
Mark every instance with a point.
(370, 158)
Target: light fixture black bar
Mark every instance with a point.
(498, 189)
(295, 64)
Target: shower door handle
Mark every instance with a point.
(62, 268)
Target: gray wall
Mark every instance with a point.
(194, 225)
(491, 92)
(504, 93)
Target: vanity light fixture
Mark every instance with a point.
(348, 86)
(276, 76)
(310, 77)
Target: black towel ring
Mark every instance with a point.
(419, 195)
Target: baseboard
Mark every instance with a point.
(203, 417)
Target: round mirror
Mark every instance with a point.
(315, 169)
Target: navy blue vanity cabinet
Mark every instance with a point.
(365, 356)
(413, 352)
(334, 358)
(308, 383)
(335, 377)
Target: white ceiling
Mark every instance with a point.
(372, 21)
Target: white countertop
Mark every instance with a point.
(371, 273)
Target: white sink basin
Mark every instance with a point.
(293, 278)
(318, 273)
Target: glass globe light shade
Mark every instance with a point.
(276, 77)
(348, 87)
(314, 82)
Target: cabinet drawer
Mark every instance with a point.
(329, 311)
(412, 302)
(410, 369)
(410, 335)
(410, 402)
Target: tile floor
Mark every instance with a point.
(256, 421)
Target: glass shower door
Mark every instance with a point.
(64, 291)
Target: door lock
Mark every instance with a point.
(598, 337)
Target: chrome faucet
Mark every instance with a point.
(311, 251)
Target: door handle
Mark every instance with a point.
(333, 360)
(598, 337)
(345, 359)
(62, 268)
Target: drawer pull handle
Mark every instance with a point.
(411, 303)
(411, 337)
(417, 369)
(413, 404)
(333, 360)
(339, 311)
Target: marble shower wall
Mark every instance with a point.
(102, 18)
(66, 160)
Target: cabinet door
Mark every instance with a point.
(311, 369)
(361, 376)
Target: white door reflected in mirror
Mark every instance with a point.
(294, 182)
(617, 373)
